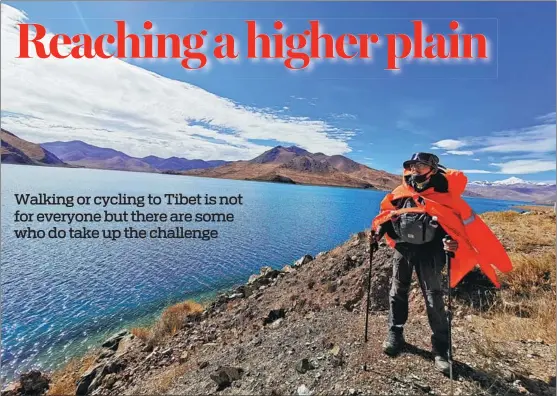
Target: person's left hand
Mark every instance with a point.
(450, 245)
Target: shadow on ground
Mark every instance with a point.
(489, 383)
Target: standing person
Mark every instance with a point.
(420, 245)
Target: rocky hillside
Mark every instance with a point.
(298, 166)
(19, 151)
(300, 331)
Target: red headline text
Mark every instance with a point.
(296, 50)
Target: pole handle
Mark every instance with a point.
(448, 238)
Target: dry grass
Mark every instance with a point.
(160, 383)
(64, 380)
(537, 209)
(336, 251)
(532, 273)
(526, 305)
(522, 320)
(524, 233)
(171, 320)
(141, 332)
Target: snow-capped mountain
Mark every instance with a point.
(511, 181)
(515, 188)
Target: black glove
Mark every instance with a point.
(447, 241)
(374, 238)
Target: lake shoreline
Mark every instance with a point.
(207, 299)
(87, 284)
(195, 350)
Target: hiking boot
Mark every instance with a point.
(442, 364)
(394, 343)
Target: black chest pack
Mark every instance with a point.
(415, 228)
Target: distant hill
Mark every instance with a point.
(292, 165)
(15, 150)
(85, 155)
(515, 189)
(299, 166)
(511, 181)
(79, 153)
(177, 164)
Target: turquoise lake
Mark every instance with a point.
(61, 296)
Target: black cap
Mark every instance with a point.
(423, 158)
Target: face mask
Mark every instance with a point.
(419, 178)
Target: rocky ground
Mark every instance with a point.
(300, 331)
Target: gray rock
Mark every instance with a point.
(225, 376)
(273, 315)
(106, 353)
(33, 383)
(12, 389)
(423, 387)
(303, 391)
(252, 279)
(86, 380)
(109, 381)
(303, 366)
(167, 352)
(303, 260)
(276, 324)
(112, 342)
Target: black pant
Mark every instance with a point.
(428, 262)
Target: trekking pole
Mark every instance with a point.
(448, 256)
(369, 282)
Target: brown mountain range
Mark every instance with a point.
(298, 166)
(18, 151)
(280, 164)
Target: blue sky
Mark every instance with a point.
(493, 119)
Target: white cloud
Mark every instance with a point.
(457, 152)
(475, 159)
(525, 166)
(449, 144)
(549, 118)
(528, 149)
(535, 139)
(518, 167)
(113, 103)
(344, 116)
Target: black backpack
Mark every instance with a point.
(414, 228)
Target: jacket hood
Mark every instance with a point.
(457, 181)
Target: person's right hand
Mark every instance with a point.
(374, 238)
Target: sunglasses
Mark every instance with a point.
(419, 166)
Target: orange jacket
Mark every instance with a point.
(477, 245)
